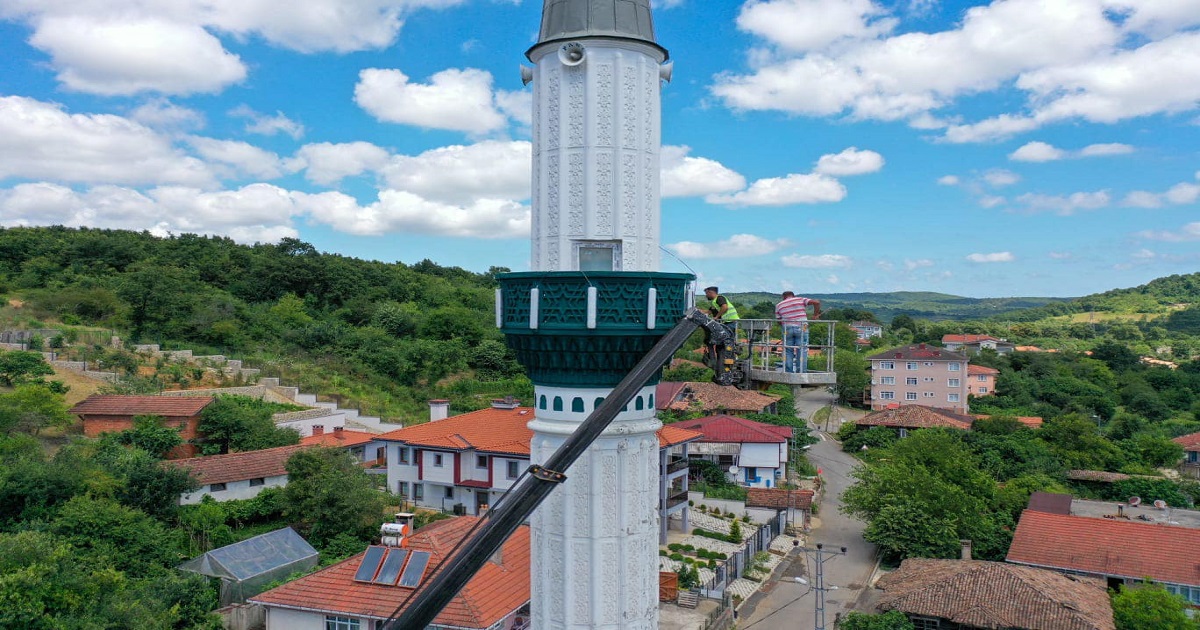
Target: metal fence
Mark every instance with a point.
(741, 560)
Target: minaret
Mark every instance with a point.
(593, 306)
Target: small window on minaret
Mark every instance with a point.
(594, 256)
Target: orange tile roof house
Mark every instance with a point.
(757, 449)
(712, 398)
(1121, 551)
(342, 596)
(978, 594)
(1191, 453)
(975, 343)
(466, 462)
(981, 380)
(911, 417)
(236, 475)
(919, 374)
(112, 414)
(365, 447)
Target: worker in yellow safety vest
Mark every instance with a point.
(721, 309)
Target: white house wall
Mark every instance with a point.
(759, 455)
(233, 490)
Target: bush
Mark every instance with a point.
(678, 557)
(674, 546)
(712, 564)
(735, 532)
(688, 548)
(662, 552)
(746, 517)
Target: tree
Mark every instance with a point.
(1150, 607)
(853, 376)
(31, 408)
(329, 493)
(241, 423)
(150, 434)
(890, 620)
(20, 366)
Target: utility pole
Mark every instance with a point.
(819, 586)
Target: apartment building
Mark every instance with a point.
(981, 380)
(920, 374)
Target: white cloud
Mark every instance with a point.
(998, 178)
(244, 157)
(849, 162)
(41, 141)
(459, 174)
(1180, 194)
(948, 180)
(995, 257)
(1064, 204)
(823, 261)
(1183, 193)
(1142, 199)
(1110, 148)
(1188, 232)
(802, 25)
(991, 201)
(459, 100)
(785, 191)
(917, 264)
(137, 55)
(998, 128)
(687, 176)
(736, 246)
(517, 105)
(402, 211)
(161, 114)
(265, 125)
(258, 212)
(327, 163)
(1037, 152)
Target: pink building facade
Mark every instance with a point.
(920, 374)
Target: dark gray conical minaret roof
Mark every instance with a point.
(567, 19)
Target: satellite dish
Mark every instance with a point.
(1160, 504)
(1135, 501)
(733, 470)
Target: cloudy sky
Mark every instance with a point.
(1018, 147)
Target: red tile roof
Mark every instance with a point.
(492, 430)
(980, 594)
(341, 438)
(494, 593)
(778, 498)
(673, 435)
(916, 417)
(269, 462)
(1189, 442)
(726, 429)
(166, 406)
(1033, 422)
(968, 338)
(710, 397)
(973, 370)
(1107, 547)
(918, 351)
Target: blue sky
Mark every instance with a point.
(1017, 147)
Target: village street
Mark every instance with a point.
(788, 604)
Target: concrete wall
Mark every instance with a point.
(287, 619)
(242, 616)
(234, 490)
(758, 516)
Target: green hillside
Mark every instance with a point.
(917, 304)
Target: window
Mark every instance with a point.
(954, 366)
(481, 461)
(418, 491)
(951, 397)
(912, 380)
(911, 365)
(577, 405)
(887, 395)
(402, 488)
(257, 481)
(982, 378)
(449, 492)
(437, 460)
(887, 380)
(927, 394)
(929, 364)
(216, 487)
(910, 395)
(1193, 457)
(926, 623)
(340, 623)
(928, 379)
(514, 470)
(953, 382)
(598, 256)
(887, 365)
(982, 390)
(402, 455)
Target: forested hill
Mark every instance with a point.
(917, 304)
(365, 329)
(1176, 299)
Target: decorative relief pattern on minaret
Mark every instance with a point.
(609, 492)
(581, 499)
(648, 129)
(604, 194)
(649, 213)
(535, 217)
(610, 588)
(555, 550)
(575, 194)
(629, 118)
(552, 200)
(554, 122)
(604, 105)
(575, 108)
(581, 594)
(629, 190)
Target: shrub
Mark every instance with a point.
(702, 507)
(730, 514)
(678, 557)
(735, 532)
(674, 546)
(688, 548)
(746, 517)
(662, 552)
(691, 503)
(712, 564)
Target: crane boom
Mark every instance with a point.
(520, 502)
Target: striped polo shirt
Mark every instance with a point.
(792, 310)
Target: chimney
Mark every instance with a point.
(318, 429)
(508, 402)
(922, 346)
(966, 549)
(1120, 510)
(338, 430)
(439, 409)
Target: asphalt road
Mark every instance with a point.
(786, 604)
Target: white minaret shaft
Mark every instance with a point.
(596, 137)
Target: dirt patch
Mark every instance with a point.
(81, 386)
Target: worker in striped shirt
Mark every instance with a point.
(792, 313)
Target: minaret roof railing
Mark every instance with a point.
(571, 19)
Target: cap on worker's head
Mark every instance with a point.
(788, 294)
(713, 289)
